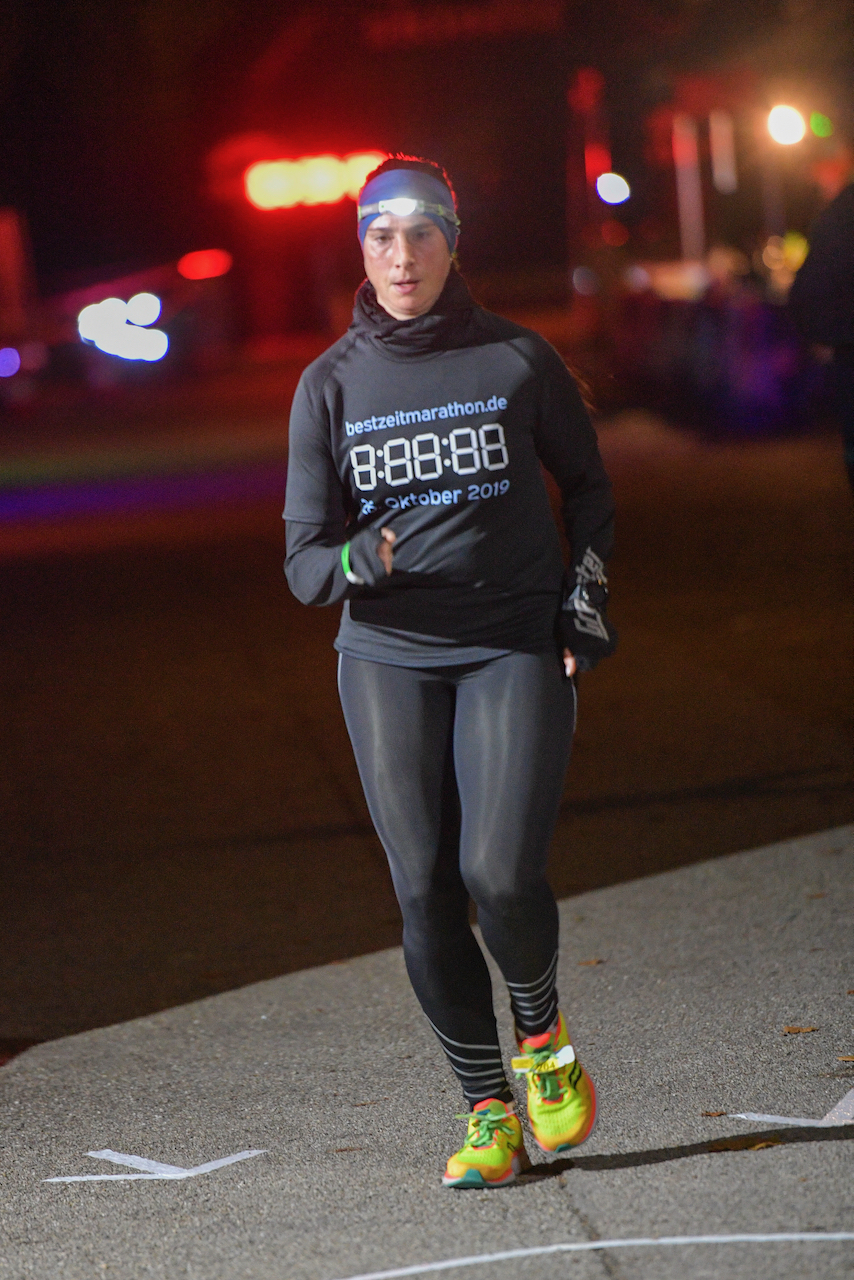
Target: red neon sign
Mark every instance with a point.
(326, 179)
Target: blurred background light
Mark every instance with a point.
(205, 264)
(105, 324)
(325, 179)
(822, 126)
(359, 164)
(149, 344)
(10, 362)
(782, 256)
(788, 251)
(597, 160)
(273, 184)
(612, 188)
(689, 187)
(637, 278)
(585, 281)
(100, 316)
(772, 254)
(143, 308)
(722, 149)
(786, 125)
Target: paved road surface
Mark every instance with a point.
(334, 1073)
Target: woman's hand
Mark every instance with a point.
(385, 548)
(569, 663)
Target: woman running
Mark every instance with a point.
(415, 494)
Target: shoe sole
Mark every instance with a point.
(471, 1177)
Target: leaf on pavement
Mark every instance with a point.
(745, 1142)
(846, 1057)
(714, 1113)
(796, 1031)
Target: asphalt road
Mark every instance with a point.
(334, 1079)
(181, 810)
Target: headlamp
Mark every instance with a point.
(403, 206)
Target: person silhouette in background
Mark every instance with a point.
(822, 302)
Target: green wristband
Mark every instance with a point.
(348, 572)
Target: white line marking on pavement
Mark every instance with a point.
(153, 1169)
(842, 1113)
(586, 1246)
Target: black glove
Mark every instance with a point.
(366, 567)
(583, 626)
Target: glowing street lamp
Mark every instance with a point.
(786, 125)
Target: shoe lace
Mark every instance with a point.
(542, 1066)
(483, 1126)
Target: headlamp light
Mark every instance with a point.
(403, 206)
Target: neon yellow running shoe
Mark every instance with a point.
(494, 1150)
(561, 1097)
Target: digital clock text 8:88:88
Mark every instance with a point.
(422, 459)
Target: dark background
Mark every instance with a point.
(181, 812)
(110, 108)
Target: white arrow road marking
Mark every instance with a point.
(153, 1169)
(842, 1113)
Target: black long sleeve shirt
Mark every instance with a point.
(437, 428)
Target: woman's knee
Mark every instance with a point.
(502, 891)
(425, 907)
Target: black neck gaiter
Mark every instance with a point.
(444, 327)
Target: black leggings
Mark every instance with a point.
(463, 770)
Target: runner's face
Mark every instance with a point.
(407, 260)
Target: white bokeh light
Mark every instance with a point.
(585, 281)
(143, 308)
(100, 316)
(612, 188)
(106, 325)
(786, 125)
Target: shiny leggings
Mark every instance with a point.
(463, 770)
